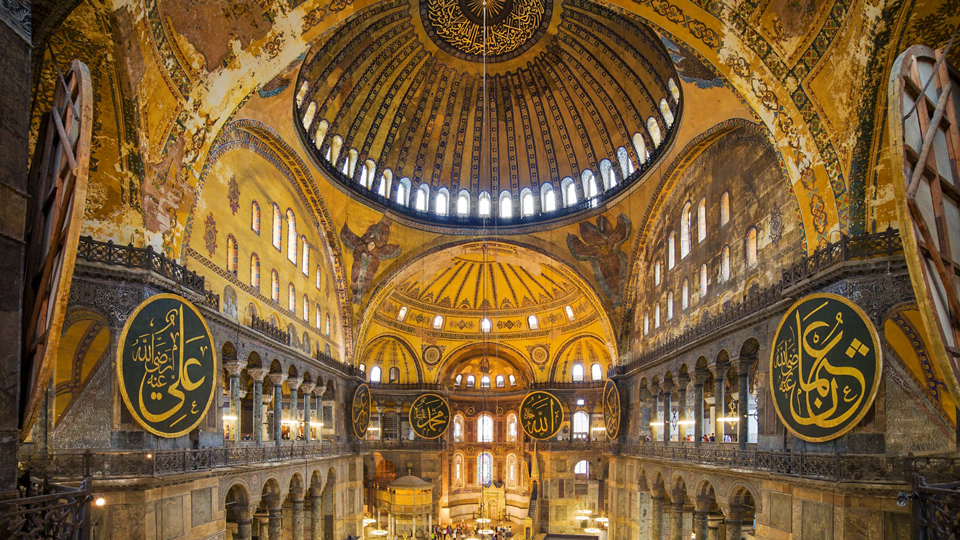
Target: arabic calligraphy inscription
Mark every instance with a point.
(167, 365)
(541, 415)
(360, 410)
(825, 367)
(611, 409)
(430, 416)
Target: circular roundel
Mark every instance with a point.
(539, 355)
(825, 367)
(360, 410)
(430, 416)
(541, 415)
(432, 355)
(167, 365)
(512, 26)
(611, 409)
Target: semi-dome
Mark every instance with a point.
(579, 101)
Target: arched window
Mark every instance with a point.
(506, 204)
(363, 368)
(483, 204)
(458, 380)
(302, 93)
(463, 203)
(646, 323)
(512, 379)
(569, 312)
(484, 468)
(751, 241)
(394, 375)
(402, 314)
(255, 217)
(375, 374)
(577, 372)
(232, 250)
(321, 135)
(317, 318)
(533, 322)
(725, 208)
(596, 372)
(511, 471)
(423, 198)
(607, 174)
(589, 181)
(674, 90)
(350, 164)
(291, 237)
(442, 202)
(656, 273)
(581, 426)
(485, 325)
(686, 217)
(438, 322)
(255, 272)
(327, 326)
(672, 250)
(569, 191)
(277, 226)
(369, 171)
(403, 192)
(485, 381)
(581, 471)
(526, 202)
(703, 280)
(471, 381)
(626, 163)
(485, 425)
(666, 112)
(654, 129)
(318, 277)
(305, 262)
(458, 427)
(548, 198)
(656, 316)
(640, 146)
(333, 153)
(458, 471)
(725, 263)
(386, 183)
(308, 116)
(292, 298)
(274, 286)
(501, 382)
(306, 309)
(685, 295)
(702, 220)
(669, 305)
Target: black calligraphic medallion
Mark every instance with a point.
(430, 416)
(825, 367)
(611, 409)
(167, 365)
(360, 410)
(541, 415)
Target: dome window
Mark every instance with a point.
(485, 326)
(532, 321)
(438, 322)
(569, 312)
(402, 314)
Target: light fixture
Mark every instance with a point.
(368, 521)
(685, 423)
(603, 520)
(379, 532)
(592, 530)
(149, 456)
(585, 511)
(483, 520)
(99, 501)
(229, 417)
(485, 531)
(729, 419)
(581, 517)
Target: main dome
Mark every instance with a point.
(574, 103)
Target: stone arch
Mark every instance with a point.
(741, 496)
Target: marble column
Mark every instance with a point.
(699, 378)
(234, 368)
(676, 520)
(734, 522)
(316, 514)
(275, 510)
(243, 516)
(667, 388)
(294, 385)
(296, 498)
(644, 419)
(257, 374)
(655, 409)
(720, 378)
(743, 366)
(713, 530)
(682, 381)
(701, 513)
(277, 380)
(305, 389)
(656, 516)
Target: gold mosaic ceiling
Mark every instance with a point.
(393, 101)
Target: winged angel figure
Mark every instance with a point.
(368, 251)
(600, 245)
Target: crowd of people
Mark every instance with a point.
(461, 531)
(689, 438)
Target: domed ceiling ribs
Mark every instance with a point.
(582, 113)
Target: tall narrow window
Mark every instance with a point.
(526, 202)
(402, 314)
(725, 208)
(318, 277)
(456, 382)
(685, 295)
(458, 423)
(506, 204)
(291, 237)
(669, 305)
(533, 322)
(308, 116)
(501, 382)
(320, 135)
(463, 203)
(306, 309)
(646, 323)
(232, 255)
(255, 217)
(589, 184)
(581, 471)
(292, 298)
(442, 204)
(403, 192)
(255, 272)
(305, 266)
(485, 425)
(674, 89)
(640, 146)
(274, 286)
(672, 250)
(548, 198)
(485, 326)
(656, 273)
(596, 372)
(751, 241)
(376, 373)
(277, 226)
(569, 191)
(394, 374)
(656, 316)
(569, 312)
(725, 263)
(703, 281)
(457, 467)
(654, 129)
(485, 468)
(702, 220)
(471, 381)
(326, 328)
(317, 318)
(512, 428)
(484, 204)
(512, 379)
(423, 198)
(485, 381)
(577, 372)
(666, 112)
(685, 221)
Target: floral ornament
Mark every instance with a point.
(368, 251)
(600, 245)
(233, 195)
(776, 226)
(210, 234)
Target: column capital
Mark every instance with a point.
(307, 387)
(667, 386)
(294, 383)
(734, 513)
(702, 504)
(257, 374)
(655, 388)
(700, 376)
(277, 378)
(242, 513)
(274, 502)
(234, 367)
(743, 364)
(296, 494)
(315, 492)
(683, 380)
(678, 497)
(720, 370)
(644, 393)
